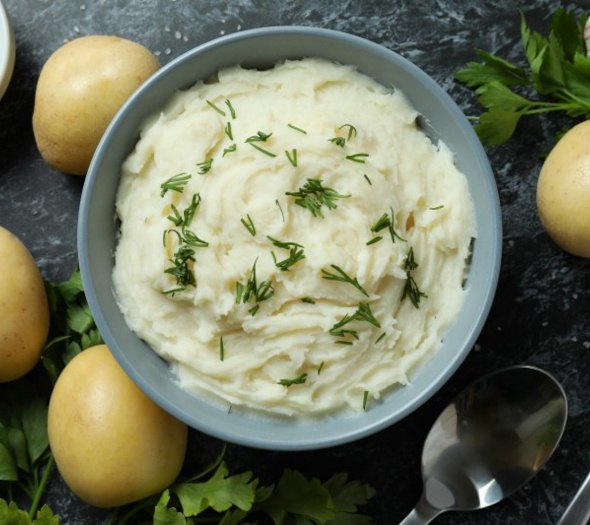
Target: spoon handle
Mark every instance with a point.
(422, 514)
(578, 511)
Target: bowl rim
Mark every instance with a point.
(363, 429)
(7, 45)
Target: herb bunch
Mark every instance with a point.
(557, 79)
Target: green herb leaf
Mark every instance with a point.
(249, 225)
(292, 157)
(313, 195)
(228, 131)
(358, 157)
(220, 493)
(299, 380)
(411, 289)
(175, 183)
(229, 149)
(205, 166)
(163, 515)
(347, 497)
(294, 495)
(7, 466)
(216, 108)
(342, 276)
(232, 111)
(297, 129)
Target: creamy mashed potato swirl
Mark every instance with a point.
(382, 272)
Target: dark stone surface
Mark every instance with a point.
(540, 314)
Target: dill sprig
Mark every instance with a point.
(232, 111)
(253, 290)
(367, 179)
(357, 157)
(280, 209)
(292, 157)
(341, 141)
(362, 313)
(229, 149)
(299, 380)
(221, 349)
(380, 337)
(386, 221)
(342, 276)
(313, 195)
(307, 300)
(183, 259)
(216, 108)
(205, 166)
(228, 131)
(262, 150)
(411, 288)
(296, 254)
(260, 136)
(365, 399)
(175, 183)
(249, 225)
(297, 129)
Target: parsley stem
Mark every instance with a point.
(41, 487)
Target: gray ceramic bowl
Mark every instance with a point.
(264, 47)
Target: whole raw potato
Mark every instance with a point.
(563, 191)
(24, 313)
(111, 443)
(80, 88)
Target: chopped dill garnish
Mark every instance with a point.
(344, 342)
(341, 141)
(262, 150)
(221, 349)
(307, 300)
(295, 254)
(228, 131)
(216, 108)
(280, 209)
(192, 239)
(184, 257)
(175, 183)
(367, 179)
(232, 111)
(249, 225)
(380, 337)
(342, 276)
(313, 195)
(253, 290)
(320, 367)
(229, 149)
(387, 221)
(292, 156)
(338, 141)
(374, 240)
(351, 130)
(297, 129)
(439, 207)
(205, 166)
(411, 288)
(365, 399)
(295, 381)
(358, 157)
(363, 313)
(260, 136)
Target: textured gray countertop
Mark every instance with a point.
(541, 310)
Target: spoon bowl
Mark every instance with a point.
(490, 441)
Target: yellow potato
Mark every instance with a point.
(24, 313)
(111, 443)
(563, 191)
(80, 88)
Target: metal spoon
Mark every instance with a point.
(490, 441)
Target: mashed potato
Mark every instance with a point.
(290, 241)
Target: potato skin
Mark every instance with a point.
(24, 312)
(563, 191)
(111, 443)
(80, 88)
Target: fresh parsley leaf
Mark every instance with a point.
(164, 515)
(347, 497)
(558, 71)
(297, 496)
(7, 465)
(220, 492)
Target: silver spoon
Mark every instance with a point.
(490, 441)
